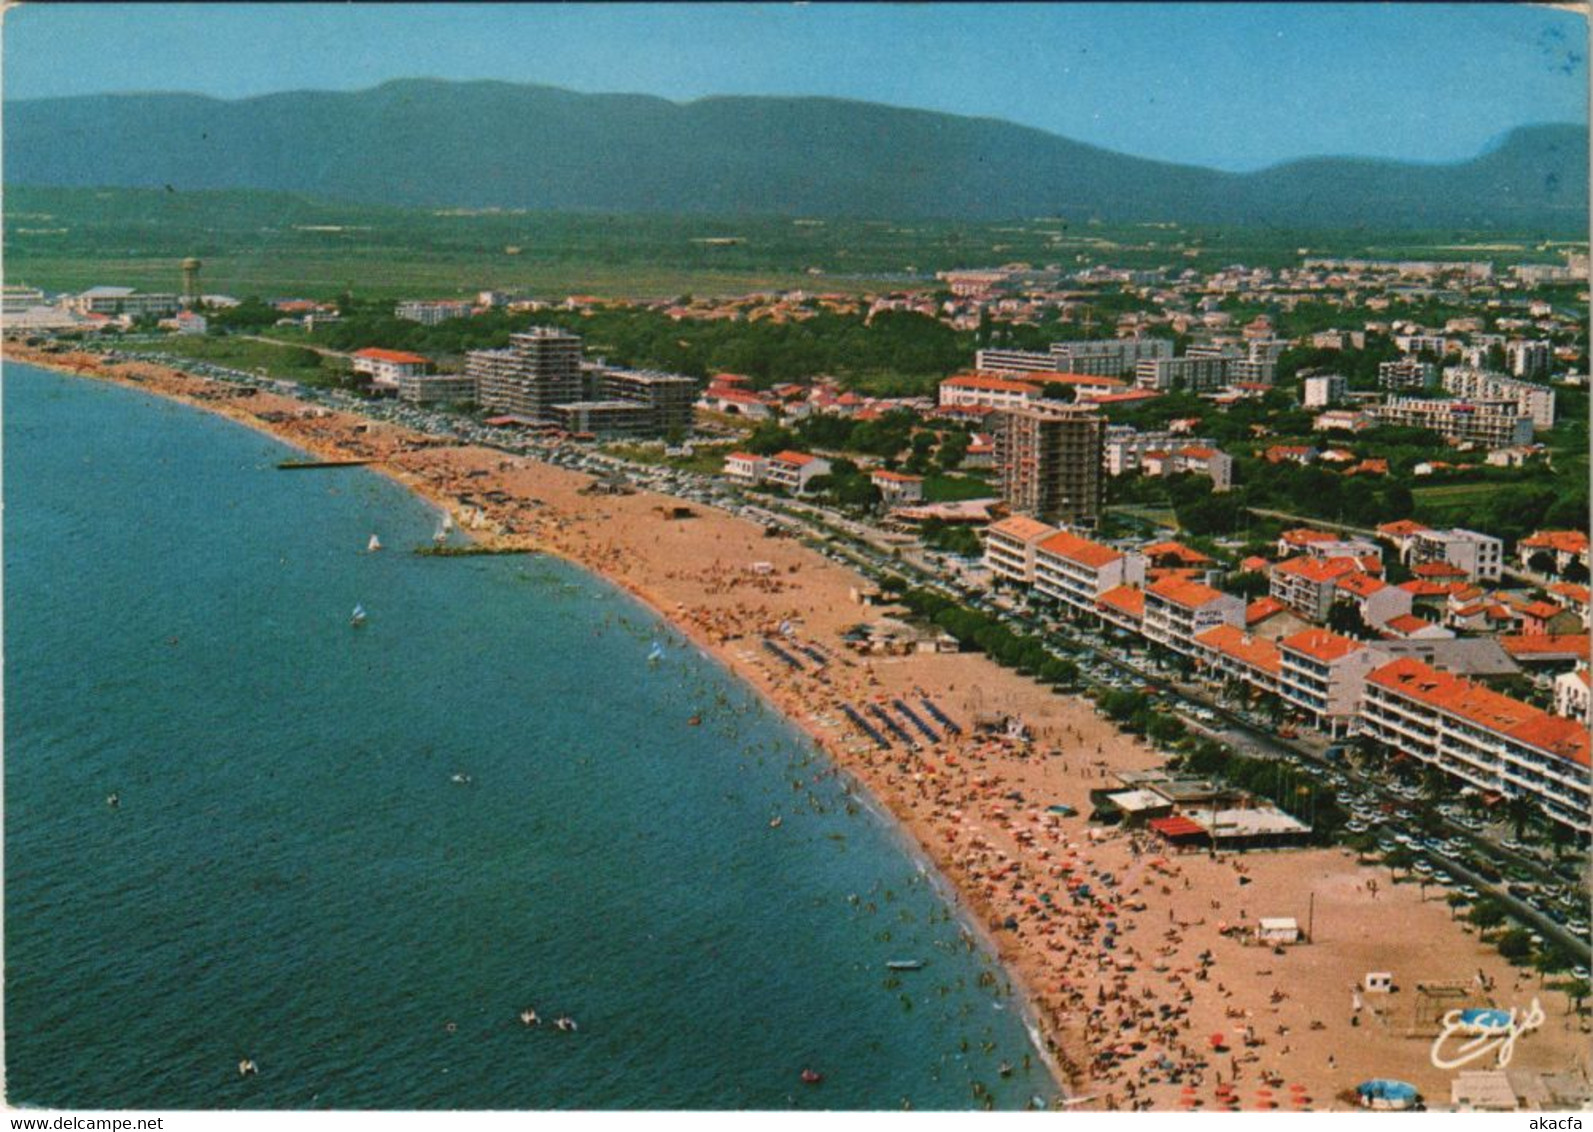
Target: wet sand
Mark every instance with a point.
(1132, 984)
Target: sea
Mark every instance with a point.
(354, 855)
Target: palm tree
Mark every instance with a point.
(1520, 809)
(1455, 902)
(1396, 859)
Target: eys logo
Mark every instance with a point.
(1489, 1030)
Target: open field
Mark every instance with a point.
(277, 244)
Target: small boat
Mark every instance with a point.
(113, 801)
(905, 965)
(811, 1077)
(695, 721)
(247, 1067)
(775, 823)
(1005, 1069)
(443, 528)
(657, 653)
(565, 1024)
(373, 546)
(461, 779)
(357, 618)
(528, 1017)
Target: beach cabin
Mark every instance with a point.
(1277, 930)
(1378, 982)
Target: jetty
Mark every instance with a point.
(300, 465)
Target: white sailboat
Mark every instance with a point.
(373, 546)
(657, 654)
(357, 618)
(443, 528)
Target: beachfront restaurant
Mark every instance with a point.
(1235, 829)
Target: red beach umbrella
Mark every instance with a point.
(1217, 1041)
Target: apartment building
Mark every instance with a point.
(897, 488)
(429, 312)
(795, 470)
(1324, 389)
(1010, 547)
(666, 399)
(988, 391)
(744, 468)
(1194, 459)
(1322, 674)
(1406, 374)
(123, 301)
(1493, 425)
(541, 368)
(1480, 556)
(386, 367)
(1192, 373)
(1048, 457)
(1076, 571)
(1529, 359)
(1307, 585)
(1109, 357)
(1484, 739)
(436, 388)
(1228, 652)
(1177, 610)
(1530, 400)
(1013, 361)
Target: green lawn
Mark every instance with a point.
(286, 362)
(954, 489)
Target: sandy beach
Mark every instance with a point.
(1144, 990)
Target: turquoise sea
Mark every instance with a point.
(355, 855)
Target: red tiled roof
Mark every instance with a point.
(1262, 608)
(1402, 527)
(1182, 591)
(1359, 584)
(376, 353)
(993, 384)
(1437, 570)
(800, 459)
(752, 456)
(1547, 644)
(1174, 550)
(1176, 825)
(1319, 570)
(1304, 536)
(1320, 644)
(1407, 623)
(1565, 542)
(895, 477)
(1065, 544)
(1566, 738)
(1022, 528)
(1571, 592)
(1232, 641)
(1124, 599)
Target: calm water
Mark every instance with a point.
(295, 875)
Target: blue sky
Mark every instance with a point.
(1235, 86)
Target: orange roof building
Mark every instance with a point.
(1487, 740)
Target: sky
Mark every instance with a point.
(1231, 86)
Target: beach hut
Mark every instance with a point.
(1387, 1094)
(1379, 982)
(1277, 930)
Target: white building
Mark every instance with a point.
(1076, 571)
(898, 488)
(1530, 400)
(386, 367)
(1493, 425)
(1010, 547)
(1322, 390)
(745, 468)
(1529, 359)
(1572, 698)
(1177, 610)
(1486, 740)
(1407, 373)
(795, 470)
(1480, 556)
(988, 391)
(429, 312)
(1323, 675)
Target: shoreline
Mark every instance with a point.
(1092, 980)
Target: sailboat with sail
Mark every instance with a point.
(443, 529)
(657, 653)
(374, 545)
(357, 618)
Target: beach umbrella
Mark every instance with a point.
(1217, 1041)
(1189, 1101)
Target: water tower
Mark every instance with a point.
(191, 268)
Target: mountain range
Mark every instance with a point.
(432, 143)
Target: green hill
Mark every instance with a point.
(499, 145)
